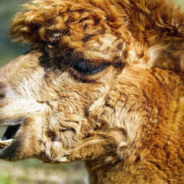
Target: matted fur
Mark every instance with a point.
(125, 118)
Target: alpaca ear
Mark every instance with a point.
(167, 55)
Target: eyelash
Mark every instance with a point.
(88, 69)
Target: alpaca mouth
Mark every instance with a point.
(10, 133)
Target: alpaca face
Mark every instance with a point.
(46, 109)
(56, 99)
(50, 110)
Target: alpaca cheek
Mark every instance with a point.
(57, 146)
(60, 137)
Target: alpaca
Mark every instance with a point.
(103, 83)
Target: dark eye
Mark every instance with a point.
(87, 68)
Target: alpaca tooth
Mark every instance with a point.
(5, 143)
(64, 159)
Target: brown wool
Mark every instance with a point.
(103, 83)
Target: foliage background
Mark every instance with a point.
(32, 171)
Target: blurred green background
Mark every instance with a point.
(32, 171)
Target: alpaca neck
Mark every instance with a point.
(106, 174)
(123, 172)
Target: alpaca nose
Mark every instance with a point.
(3, 99)
(3, 82)
(2, 91)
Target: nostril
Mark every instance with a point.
(3, 87)
(2, 96)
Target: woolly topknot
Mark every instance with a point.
(101, 30)
(83, 26)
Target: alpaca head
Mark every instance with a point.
(82, 92)
(53, 97)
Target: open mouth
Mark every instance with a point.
(10, 133)
(17, 143)
(8, 136)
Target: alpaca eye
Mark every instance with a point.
(87, 68)
(67, 129)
